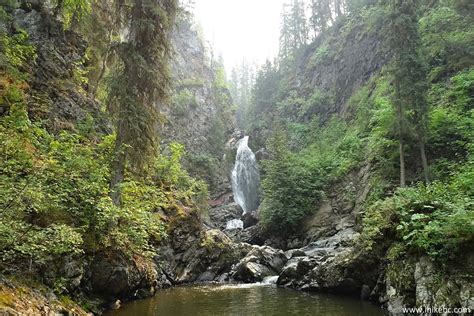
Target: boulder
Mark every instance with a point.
(249, 271)
(71, 271)
(249, 219)
(219, 216)
(260, 262)
(206, 258)
(117, 275)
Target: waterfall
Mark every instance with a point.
(245, 177)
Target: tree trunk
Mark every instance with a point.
(401, 151)
(401, 144)
(424, 161)
(337, 7)
(118, 168)
(102, 71)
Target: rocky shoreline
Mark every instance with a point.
(198, 253)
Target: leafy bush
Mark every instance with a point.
(435, 219)
(294, 183)
(54, 187)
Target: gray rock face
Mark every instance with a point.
(342, 207)
(455, 290)
(253, 235)
(222, 214)
(116, 275)
(352, 59)
(200, 117)
(196, 254)
(322, 265)
(63, 99)
(249, 220)
(260, 262)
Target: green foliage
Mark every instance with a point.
(54, 188)
(15, 52)
(171, 174)
(57, 186)
(141, 80)
(220, 80)
(451, 122)
(448, 38)
(183, 101)
(204, 166)
(319, 56)
(72, 11)
(217, 136)
(16, 49)
(191, 83)
(435, 219)
(294, 183)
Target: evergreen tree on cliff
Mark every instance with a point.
(141, 83)
(408, 79)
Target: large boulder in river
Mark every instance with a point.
(329, 264)
(250, 271)
(208, 256)
(260, 262)
(117, 275)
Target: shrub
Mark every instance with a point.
(436, 220)
(294, 183)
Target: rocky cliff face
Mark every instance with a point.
(57, 94)
(339, 63)
(200, 115)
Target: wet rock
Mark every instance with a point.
(224, 277)
(365, 292)
(116, 275)
(115, 304)
(294, 272)
(222, 214)
(206, 277)
(198, 255)
(329, 264)
(249, 219)
(249, 271)
(260, 262)
(253, 235)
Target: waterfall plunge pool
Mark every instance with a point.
(245, 299)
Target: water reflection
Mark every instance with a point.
(246, 299)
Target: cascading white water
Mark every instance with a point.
(245, 177)
(234, 224)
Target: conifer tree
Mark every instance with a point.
(140, 85)
(321, 15)
(408, 79)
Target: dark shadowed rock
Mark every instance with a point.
(249, 219)
(219, 216)
(116, 275)
(365, 292)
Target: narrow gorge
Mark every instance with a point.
(139, 175)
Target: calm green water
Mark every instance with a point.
(246, 299)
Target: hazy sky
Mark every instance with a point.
(241, 28)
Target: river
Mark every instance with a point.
(245, 299)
